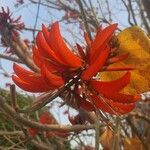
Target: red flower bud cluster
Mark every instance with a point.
(8, 25)
(46, 118)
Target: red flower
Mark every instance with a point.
(58, 65)
(32, 132)
(46, 118)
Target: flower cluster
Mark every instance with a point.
(59, 66)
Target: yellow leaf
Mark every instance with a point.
(135, 42)
(132, 144)
(106, 139)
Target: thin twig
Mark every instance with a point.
(97, 130)
(136, 132)
(10, 58)
(116, 135)
(84, 18)
(108, 9)
(45, 5)
(132, 11)
(94, 15)
(11, 133)
(36, 19)
(21, 51)
(17, 144)
(13, 96)
(31, 29)
(32, 124)
(138, 115)
(145, 22)
(129, 15)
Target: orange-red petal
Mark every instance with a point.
(99, 31)
(81, 52)
(60, 48)
(45, 50)
(99, 104)
(94, 68)
(30, 77)
(86, 105)
(26, 75)
(45, 33)
(87, 39)
(111, 86)
(110, 106)
(30, 87)
(52, 79)
(118, 58)
(19, 70)
(36, 57)
(101, 39)
(122, 98)
(52, 66)
(83, 103)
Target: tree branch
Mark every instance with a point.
(21, 120)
